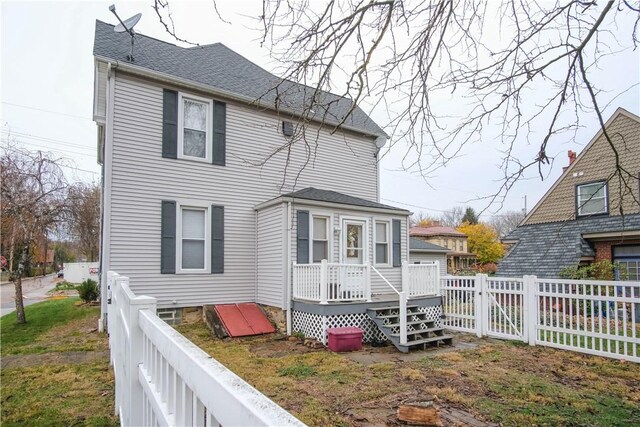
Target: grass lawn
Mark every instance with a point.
(493, 382)
(50, 389)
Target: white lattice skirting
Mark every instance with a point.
(316, 325)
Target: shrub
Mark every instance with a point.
(88, 290)
(601, 270)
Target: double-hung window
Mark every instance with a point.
(382, 242)
(591, 199)
(194, 128)
(194, 226)
(320, 248)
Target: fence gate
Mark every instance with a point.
(503, 307)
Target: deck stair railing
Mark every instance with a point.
(402, 297)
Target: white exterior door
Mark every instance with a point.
(354, 242)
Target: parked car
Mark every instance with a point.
(60, 274)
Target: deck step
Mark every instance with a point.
(421, 331)
(412, 322)
(446, 338)
(392, 307)
(390, 316)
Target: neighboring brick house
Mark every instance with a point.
(589, 214)
(458, 258)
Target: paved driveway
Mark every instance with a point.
(33, 290)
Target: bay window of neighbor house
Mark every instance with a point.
(194, 136)
(382, 242)
(192, 238)
(591, 198)
(320, 247)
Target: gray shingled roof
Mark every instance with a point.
(316, 194)
(422, 246)
(545, 249)
(221, 68)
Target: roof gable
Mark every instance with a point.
(222, 69)
(621, 118)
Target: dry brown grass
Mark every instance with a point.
(498, 381)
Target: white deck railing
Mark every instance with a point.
(588, 316)
(328, 282)
(162, 378)
(421, 279)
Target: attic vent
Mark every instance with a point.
(287, 128)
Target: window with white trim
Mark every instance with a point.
(194, 127)
(382, 242)
(592, 198)
(192, 243)
(320, 245)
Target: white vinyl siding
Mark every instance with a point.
(272, 268)
(142, 178)
(429, 257)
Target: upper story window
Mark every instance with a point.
(382, 242)
(320, 248)
(194, 128)
(591, 198)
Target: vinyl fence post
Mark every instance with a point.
(135, 355)
(484, 293)
(530, 307)
(437, 278)
(477, 309)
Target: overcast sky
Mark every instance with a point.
(47, 82)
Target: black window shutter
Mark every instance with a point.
(397, 255)
(217, 239)
(170, 124)
(303, 238)
(219, 133)
(168, 238)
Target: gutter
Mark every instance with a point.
(145, 72)
(310, 202)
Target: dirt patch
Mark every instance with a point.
(277, 346)
(66, 358)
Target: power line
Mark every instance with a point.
(426, 208)
(73, 168)
(45, 139)
(47, 111)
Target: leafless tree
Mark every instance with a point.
(452, 217)
(505, 222)
(450, 71)
(83, 217)
(33, 187)
(422, 220)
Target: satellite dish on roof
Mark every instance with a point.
(126, 26)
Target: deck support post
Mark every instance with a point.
(403, 317)
(324, 285)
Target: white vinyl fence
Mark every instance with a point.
(163, 379)
(594, 317)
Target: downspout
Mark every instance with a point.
(104, 222)
(287, 257)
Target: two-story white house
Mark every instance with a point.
(215, 193)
